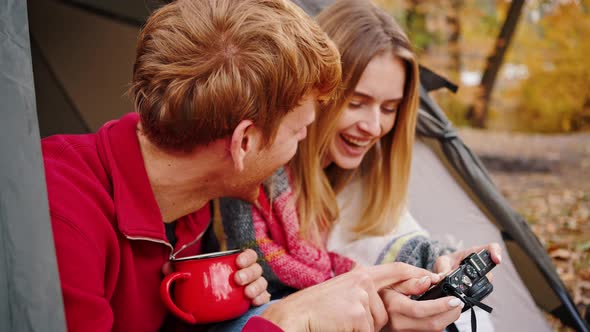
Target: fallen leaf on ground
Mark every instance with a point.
(551, 228)
(583, 246)
(560, 254)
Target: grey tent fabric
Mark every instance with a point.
(56, 112)
(83, 65)
(132, 12)
(439, 202)
(431, 81)
(30, 294)
(549, 292)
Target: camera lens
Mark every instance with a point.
(470, 271)
(481, 289)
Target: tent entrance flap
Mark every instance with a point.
(30, 293)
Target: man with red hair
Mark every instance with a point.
(223, 91)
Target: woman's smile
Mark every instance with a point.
(355, 141)
(354, 146)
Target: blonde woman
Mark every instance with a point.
(357, 154)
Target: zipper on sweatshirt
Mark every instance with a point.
(186, 245)
(172, 253)
(149, 239)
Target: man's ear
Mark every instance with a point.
(241, 143)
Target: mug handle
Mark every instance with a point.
(165, 295)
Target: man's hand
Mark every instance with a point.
(349, 302)
(250, 274)
(445, 264)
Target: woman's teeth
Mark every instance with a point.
(355, 141)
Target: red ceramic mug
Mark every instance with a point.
(204, 288)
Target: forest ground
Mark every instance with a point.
(547, 179)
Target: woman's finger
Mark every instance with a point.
(401, 304)
(433, 323)
(496, 252)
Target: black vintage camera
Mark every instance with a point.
(468, 282)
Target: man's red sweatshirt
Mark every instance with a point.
(109, 236)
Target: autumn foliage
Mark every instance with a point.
(544, 81)
(556, 95)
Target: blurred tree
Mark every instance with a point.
(421, 20)
(415, 23)
(556, 95)
(477, 114)
(466, 29)
(545, 83)
(454, 22)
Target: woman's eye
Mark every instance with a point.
(389, 109)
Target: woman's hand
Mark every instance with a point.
(406, 314)
(250, 275)
(445, 264)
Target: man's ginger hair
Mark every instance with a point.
(202, 66)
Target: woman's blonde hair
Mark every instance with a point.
(361, 31)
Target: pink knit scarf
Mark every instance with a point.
(297, 262)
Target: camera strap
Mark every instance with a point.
(471, 302)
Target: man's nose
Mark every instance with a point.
(371, 122)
